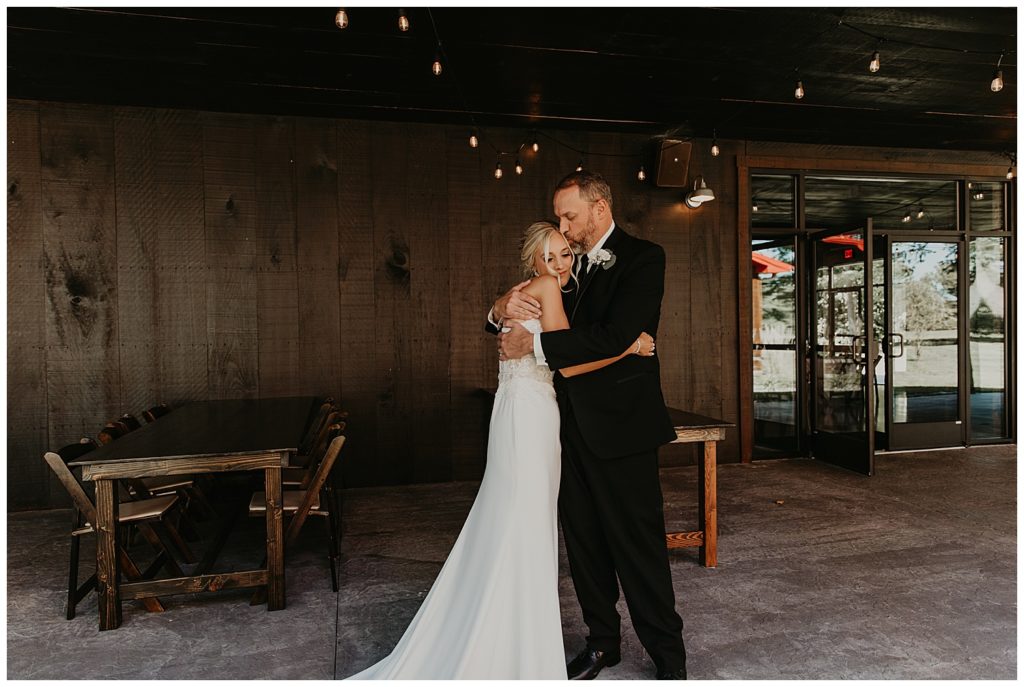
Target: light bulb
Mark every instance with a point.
(715, 151)
(978, 196)
(920, 213)
(799, 92)
(519, 167)
(876, 63)
(536, 146)
(437, 67)
(403, 21)
(907, 218)
(341, 18)
(754, 206)
(473, 140)
(579, 167)
(641, 175)
(1009, 172)
(997, 81)
(497, 170)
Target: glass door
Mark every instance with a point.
(923, 345)
(842, 349)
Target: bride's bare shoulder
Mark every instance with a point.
(542, 285)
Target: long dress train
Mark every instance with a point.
(493, 611)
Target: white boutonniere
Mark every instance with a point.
(604, 258)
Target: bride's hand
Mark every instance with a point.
(646, 348)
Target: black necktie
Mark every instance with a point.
(584, 264)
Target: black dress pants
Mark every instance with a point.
(613, 522)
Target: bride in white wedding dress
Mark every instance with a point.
(493, 611)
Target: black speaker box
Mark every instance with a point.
(673, 163)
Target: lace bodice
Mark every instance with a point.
(525, 367)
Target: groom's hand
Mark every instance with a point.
(515, 343)
(517, 305)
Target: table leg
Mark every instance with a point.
(107, 569)
(708, 512)
(275, 539)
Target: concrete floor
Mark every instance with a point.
(822, 574)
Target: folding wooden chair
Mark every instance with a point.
(148, 515)
(155, 412)
(301, 503)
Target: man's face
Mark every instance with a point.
(577, 218)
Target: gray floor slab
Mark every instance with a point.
(909, 574)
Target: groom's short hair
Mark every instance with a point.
(592, 186)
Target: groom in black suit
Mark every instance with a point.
(613, 421)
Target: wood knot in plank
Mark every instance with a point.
(397, 262)
(12, 191)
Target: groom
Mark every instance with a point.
(613, 421)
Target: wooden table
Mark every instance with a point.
(692, 428)
(202, 437)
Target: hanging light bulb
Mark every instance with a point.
(754, 206)
(997, 81)
(519, 167)
(436, 68)
(341, 18)
(715, 151)
(497, 170)
(473, 140)
(579, 167)
(978, 196)
(403, 21)
(536, 146)
(641, 175)
(1009, 172)
(920, 212)
(876, 63)
(799, 92)
(907, 218)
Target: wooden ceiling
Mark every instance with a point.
(681, 71)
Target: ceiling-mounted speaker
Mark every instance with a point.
(673, 163)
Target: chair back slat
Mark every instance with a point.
(326, 464)
(75, 491)
(313, 431)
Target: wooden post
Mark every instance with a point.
(708, 513)
(275, 537)
(107, 569)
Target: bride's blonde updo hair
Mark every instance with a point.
(536, 238)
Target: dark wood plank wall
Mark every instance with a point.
(168, 256)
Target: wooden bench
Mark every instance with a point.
(692, 428)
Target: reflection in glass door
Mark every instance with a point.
(924, 345)
(843, 349)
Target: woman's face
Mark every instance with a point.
(558, 261)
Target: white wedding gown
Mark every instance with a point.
(493, 612)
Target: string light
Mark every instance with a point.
(799, 92)
(341, 18)
(497, 170)
(876, 63)
(474, 142)
(579, 167)
(920, 212)
(979, 196)
(754, 206)
(715, 151)
(519, 167)
(907, 218)
(403, 21)
(436, 68)
(536, 146)
(997, 78)
(641, 175)
(1009, 172)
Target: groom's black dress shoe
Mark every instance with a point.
(589, 663)
(672, 674)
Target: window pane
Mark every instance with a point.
(772, 201)
(988, 338)
(986, 199)
(774, 337)
(847, 203)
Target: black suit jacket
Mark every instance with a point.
(620, 408)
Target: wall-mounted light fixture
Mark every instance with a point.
(700, 194)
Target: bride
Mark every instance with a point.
(493, 611)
